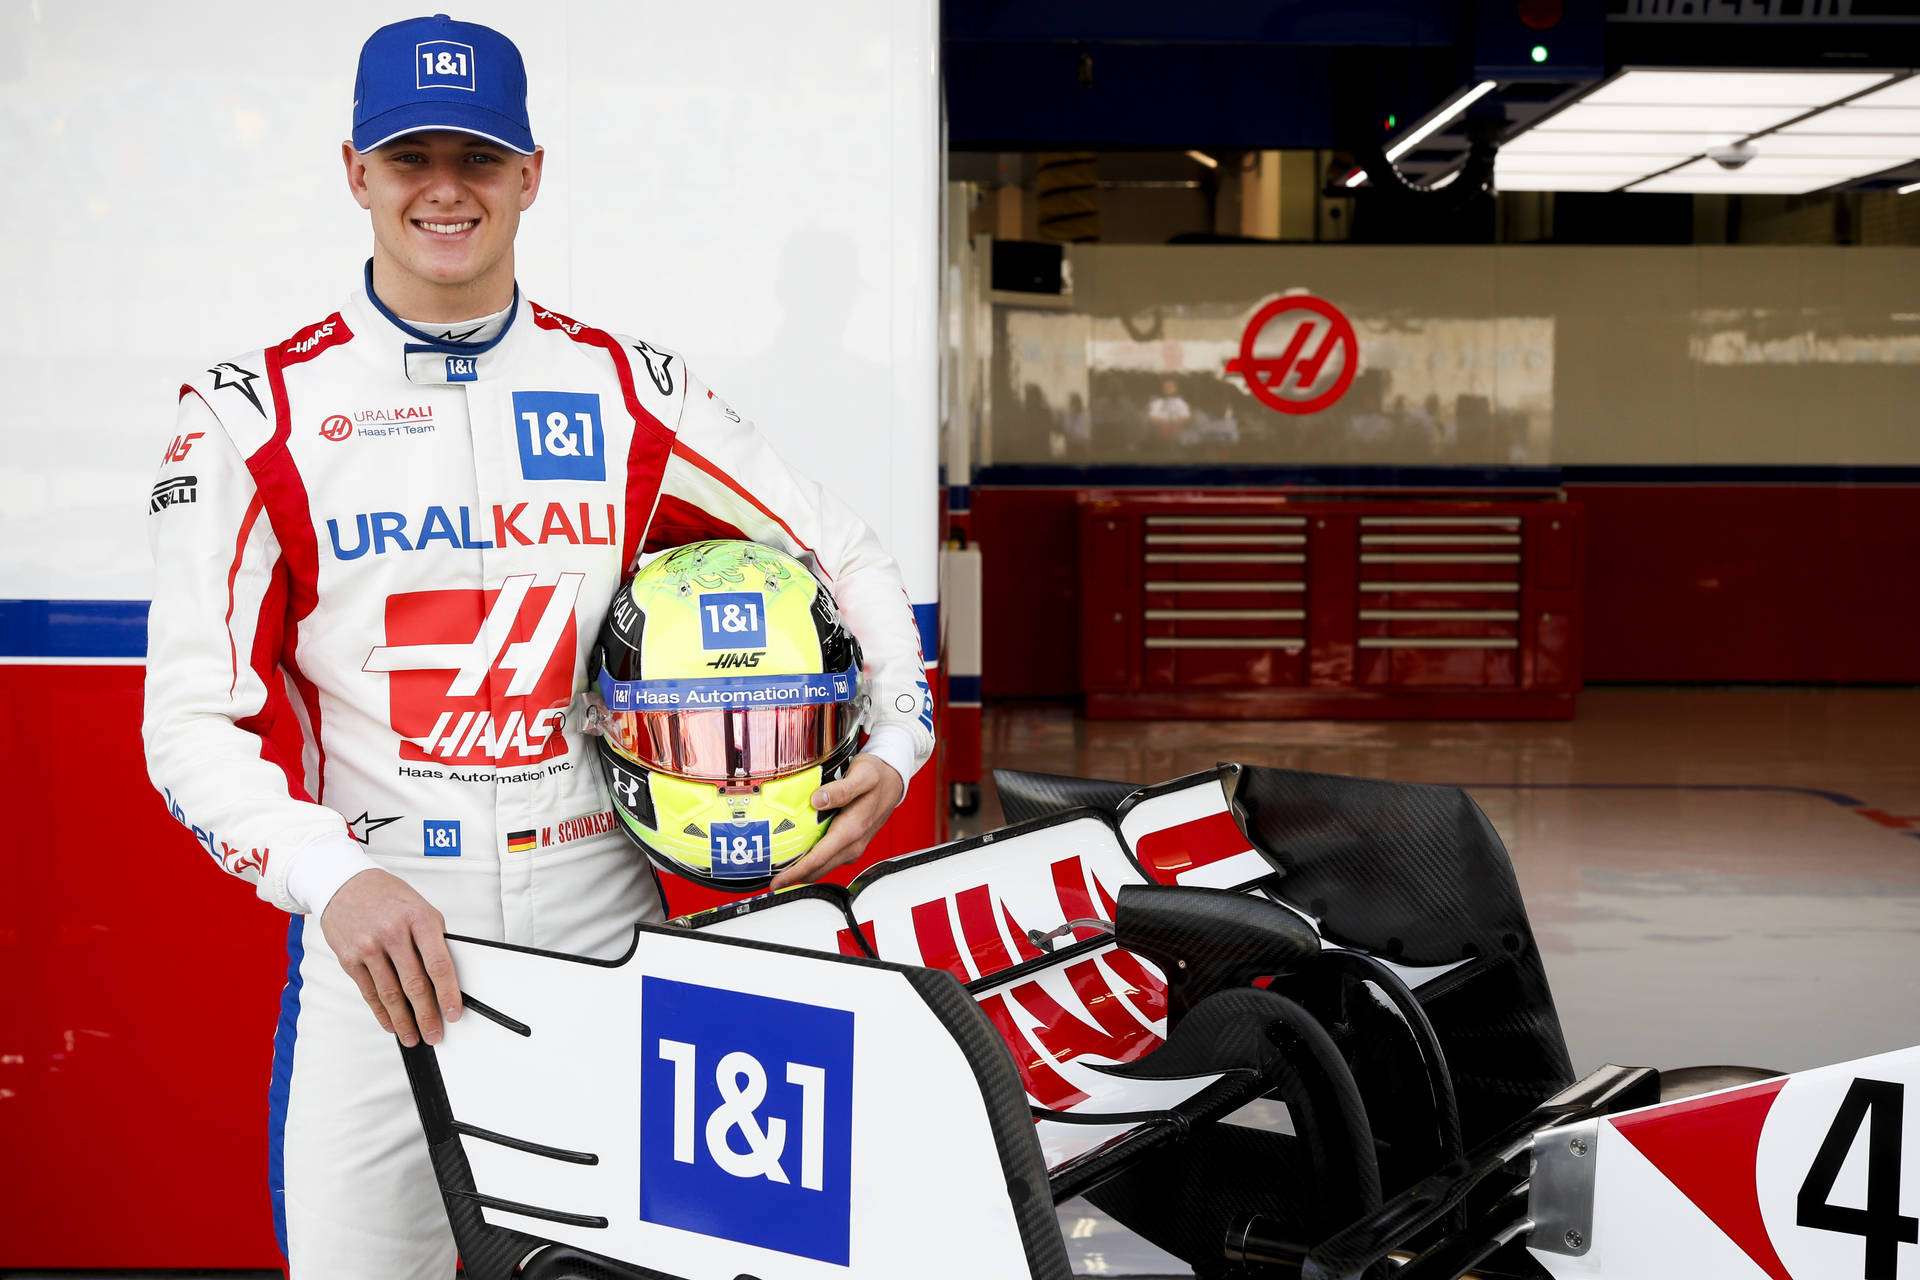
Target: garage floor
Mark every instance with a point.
(1719, 875)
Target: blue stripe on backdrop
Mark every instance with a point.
(1016, 475)
(1239, 477)
(106, 629)
(1741, 474)
(927, 618)
(963, 690)
(73, 628)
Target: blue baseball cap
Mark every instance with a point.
(435, 73)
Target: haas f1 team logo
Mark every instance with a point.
(1298, 354)
(481, 677)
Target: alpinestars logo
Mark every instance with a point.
(481, 677)
(228, 376)
(659, 366)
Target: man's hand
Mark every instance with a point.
(393, 944)
(864, 798)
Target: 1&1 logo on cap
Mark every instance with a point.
(443, 64)
(746, 1118)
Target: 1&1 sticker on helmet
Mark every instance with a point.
(733, 620)
(741, 850)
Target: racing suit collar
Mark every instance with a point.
(430, 360)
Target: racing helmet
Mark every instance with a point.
(726, 689)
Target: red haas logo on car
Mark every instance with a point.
(1124, 999)
(481, 677)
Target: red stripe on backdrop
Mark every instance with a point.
(97, 1059)
(652, 439)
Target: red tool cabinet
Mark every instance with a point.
(1199, 606)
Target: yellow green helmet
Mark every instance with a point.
(729, 691)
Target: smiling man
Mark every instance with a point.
(386, 544)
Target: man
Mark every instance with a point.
(1168, 412)
(390, 539)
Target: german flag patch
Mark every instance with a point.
(520, 842)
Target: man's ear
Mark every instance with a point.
(357, 174)
(530, 167)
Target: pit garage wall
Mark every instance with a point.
(756, 186)
(1738, 422)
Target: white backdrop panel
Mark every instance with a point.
(753, 183)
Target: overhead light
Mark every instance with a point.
(1566, 181)
(1355, 178)
(1204, 159)
(1655, 130)
(1571, 142)
(1907, 190)
(1600, 163)
(1902, 93)
(1894, 120)
(1648, 118)
(1780, 175)
(1803, 89)
(1791, 142)
(1443, 116)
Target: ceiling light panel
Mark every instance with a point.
(1733, 184)
(1609, 163)
(1673, 118)
(1811, 166)
(1733, 88)
(1574, 142)
(1565, 181)
(1889, 120)
(1893, 146)
(1904, 93)
(1778, 175)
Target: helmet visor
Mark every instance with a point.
(735, 743)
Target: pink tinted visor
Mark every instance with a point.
(734, 743)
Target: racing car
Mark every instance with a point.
(906, 1075)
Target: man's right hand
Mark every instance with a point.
(393, 944)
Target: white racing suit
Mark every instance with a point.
(380, 562)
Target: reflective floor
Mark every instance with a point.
(1713, 875)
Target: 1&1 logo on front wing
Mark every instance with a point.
(746, 1118)
(559, 435)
